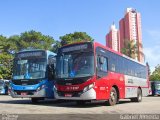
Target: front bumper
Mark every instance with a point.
(88, 95)
(38, 94)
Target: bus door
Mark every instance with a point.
(101, 73)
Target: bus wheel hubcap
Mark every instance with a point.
(112, 96)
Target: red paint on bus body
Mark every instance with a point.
(102, 86)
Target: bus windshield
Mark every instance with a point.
(29, 68)
(157, 86)
(72, 65)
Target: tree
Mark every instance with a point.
(6, 65)
(3, 45)
(14, 43)
(130, 49)
(36, 40)
(156, 73)
(75, 37)
(56, 46)
(5, 58)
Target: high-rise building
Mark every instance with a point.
(130, 29)
(112, 38)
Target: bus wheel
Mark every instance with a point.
(139, 96)
(113, 97)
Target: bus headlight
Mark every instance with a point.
(55, 88)
(41, 87)
(88, 87)
(38, 89)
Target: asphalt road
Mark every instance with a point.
(24, 109)
(149, 105)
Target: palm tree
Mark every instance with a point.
(130, 49)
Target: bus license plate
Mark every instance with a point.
(23, 93)
(68, 95)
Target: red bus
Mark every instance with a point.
(90, 71)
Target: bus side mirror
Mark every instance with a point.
(101, 60)
(51, 72)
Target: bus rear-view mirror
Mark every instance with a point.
(101, 60)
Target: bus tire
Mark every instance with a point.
(139, 96)
(113, 99)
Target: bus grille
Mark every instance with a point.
(74, 94)
(28, 92)
(27, 82)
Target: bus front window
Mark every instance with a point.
(71, 65)
(29, 68)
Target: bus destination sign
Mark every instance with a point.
(30, 54)
(74, 48)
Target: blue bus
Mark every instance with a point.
(4, 86)
(33, 75)
(155, 87)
